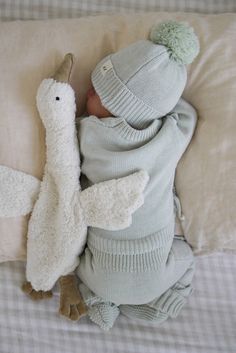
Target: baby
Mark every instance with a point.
(136, 120)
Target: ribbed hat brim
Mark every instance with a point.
(119, 100)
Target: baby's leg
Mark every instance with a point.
(178, 288)
(100, 311)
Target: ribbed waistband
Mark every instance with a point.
(146, 253)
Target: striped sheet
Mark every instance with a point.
(45, 9)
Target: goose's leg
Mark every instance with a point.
(71, 302)
(35, 295)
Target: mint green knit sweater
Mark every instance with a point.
(123, 266)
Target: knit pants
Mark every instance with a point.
(172, 293)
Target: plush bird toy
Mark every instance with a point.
(61, 212)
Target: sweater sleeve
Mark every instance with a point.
(185, 117)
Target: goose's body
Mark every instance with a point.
(53, 247)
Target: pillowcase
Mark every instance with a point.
(205, 179)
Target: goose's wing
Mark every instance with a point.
(18, 192)
(110, 204)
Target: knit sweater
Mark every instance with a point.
(111, 148)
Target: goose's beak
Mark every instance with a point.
(64, 71)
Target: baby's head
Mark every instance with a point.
(145, 80)
(94, 105)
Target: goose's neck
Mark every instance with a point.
(62, 149)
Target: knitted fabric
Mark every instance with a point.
(125, 267)
(169, 304)
(152, 85)
(171, 299)
(136, 96)
(102, 313)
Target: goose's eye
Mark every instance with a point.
(57, 98)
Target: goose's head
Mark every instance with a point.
(56, 98)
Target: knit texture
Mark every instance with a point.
(138, 98)
(174, 286)
(181, 41)
(139, 255)
(152, 85)
(170, 303)
(116, 263)
(104, 314)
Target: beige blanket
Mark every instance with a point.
(205, 179)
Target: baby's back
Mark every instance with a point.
(110, 148)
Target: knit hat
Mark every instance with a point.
(145, 80)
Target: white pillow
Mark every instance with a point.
(205, 179)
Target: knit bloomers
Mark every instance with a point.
(171, 284)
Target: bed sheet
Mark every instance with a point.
(206, 324)
(44, 9)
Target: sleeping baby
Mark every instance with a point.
(137, 120)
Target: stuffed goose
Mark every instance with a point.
(61, 212)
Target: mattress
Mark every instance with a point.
(206, 324)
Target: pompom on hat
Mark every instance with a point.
(179, 39)
(145, 80)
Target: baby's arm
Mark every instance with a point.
(183, 119)
(186, 118)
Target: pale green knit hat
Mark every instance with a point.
(145, 80)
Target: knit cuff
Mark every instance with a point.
(172, 301)
(103, 313)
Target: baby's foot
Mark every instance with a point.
(103, 313)
(33, 294)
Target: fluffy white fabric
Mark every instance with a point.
(13, 185)
(58, 224)
(109, 205)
